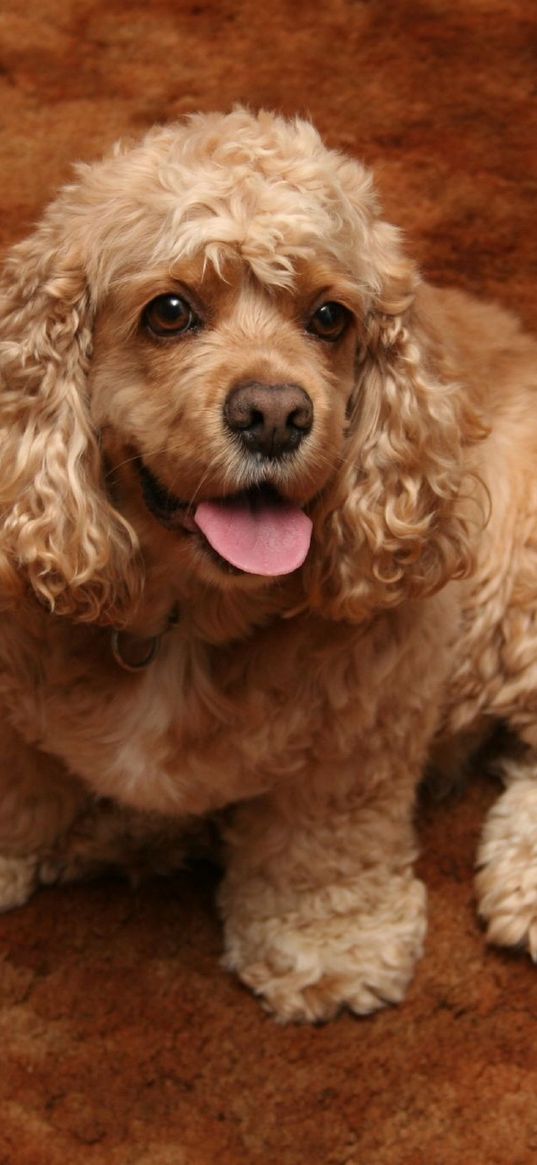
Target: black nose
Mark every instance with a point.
(271, 419)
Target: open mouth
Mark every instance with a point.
(256, 531)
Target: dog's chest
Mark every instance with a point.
(204, 726)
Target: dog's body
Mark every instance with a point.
(211, 347)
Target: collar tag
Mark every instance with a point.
(133, 653)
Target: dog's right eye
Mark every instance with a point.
(169, 315)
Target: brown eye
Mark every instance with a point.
(169, 315)
(329, 321)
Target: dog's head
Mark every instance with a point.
(210, 355)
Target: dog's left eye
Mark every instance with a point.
(329, 321)
(169, 315)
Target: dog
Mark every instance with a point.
(268, 542)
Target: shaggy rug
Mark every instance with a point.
(123, 1042)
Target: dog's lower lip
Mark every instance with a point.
(158, 499)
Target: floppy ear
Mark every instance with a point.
(58, 529)
(401, 516)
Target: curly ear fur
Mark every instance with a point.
(400, 520)
(57, 528)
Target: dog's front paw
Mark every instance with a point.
(18, 880)
(507, 869)
(330, 953)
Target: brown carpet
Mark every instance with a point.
(122, 1041)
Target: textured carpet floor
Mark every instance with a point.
(122, 1042)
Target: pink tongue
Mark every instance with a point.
(262, 537)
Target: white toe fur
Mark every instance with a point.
(328, 954)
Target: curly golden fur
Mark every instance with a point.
(303, 703)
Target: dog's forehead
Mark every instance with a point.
(274, 198)
(268, 223)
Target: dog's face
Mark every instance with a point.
(223, 405)
(209, 358)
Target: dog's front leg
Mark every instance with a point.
(320, 903)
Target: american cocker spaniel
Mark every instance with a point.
(268, 540)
